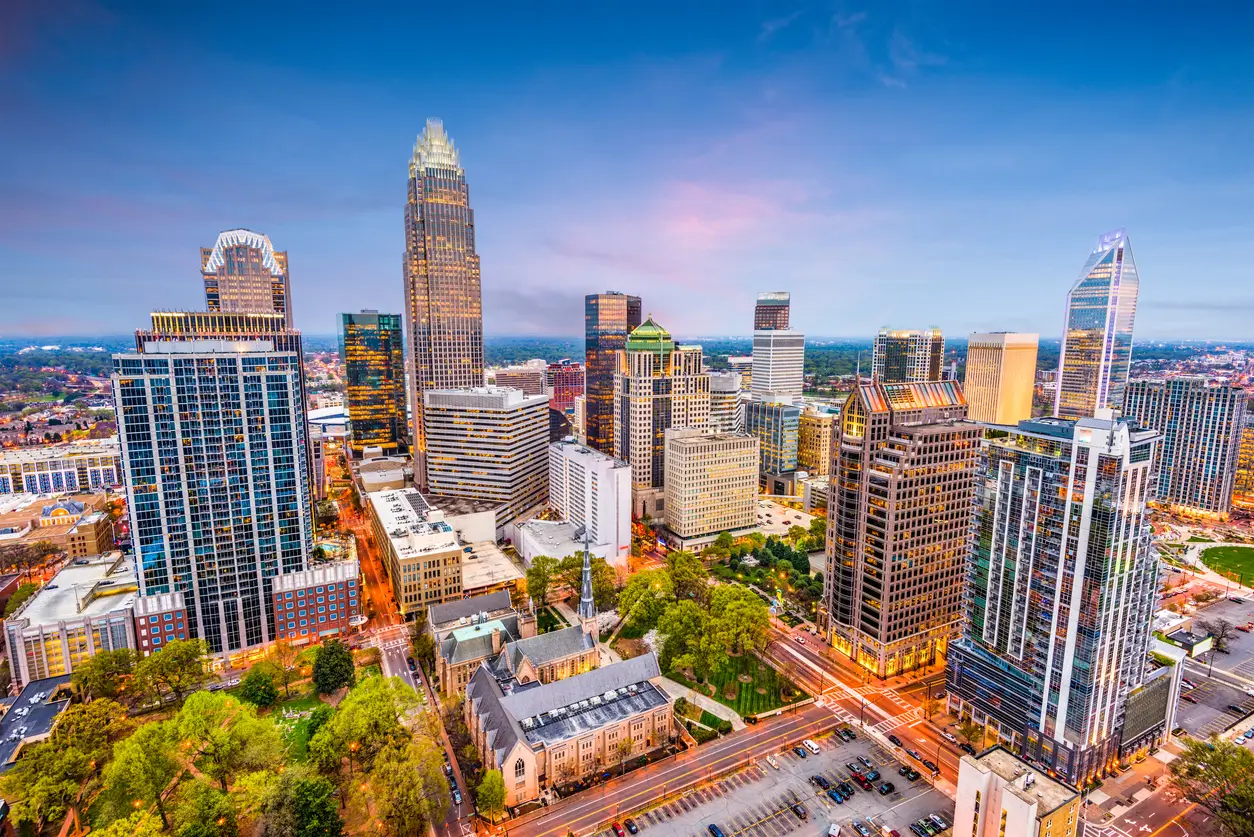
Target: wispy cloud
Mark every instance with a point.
(770, 27)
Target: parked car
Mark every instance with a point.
(811, 746)
(896, 741)
(1232, 707)
(919, 831)
(948, 736)
(632, 828)
(1245, 629)
(872, 775)
(845, 734)
(619, 831)
(928, 826)
(914, 754)
(1188, 698)
(866, 762)
(939, 820)
(931, 765)
(886, 788)
(801, 751)
(821, 781)
(457, 797)
(860, 827)
(846, 789)
(836, 796)
(714, 830)
(853, 768)
(966, 748)
(800, 811)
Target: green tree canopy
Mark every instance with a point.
(143, 766)
(1218, 775)
(646, 596)
(540, 576)
(295, 803)
(407, 788)
(258, 687)
(683, 626)
(366, 720)
(688, 576)
(285, 658)
(178, 669)
(333, 667)
(226, 737)
(203, 811)
(105, 674)
(739, 619)
(19, 597)
(136, 824)
(490, 795)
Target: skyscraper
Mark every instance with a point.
(777, 425)
(1243, 483)
(244, 274)
(213, 441)
(659, 384)
(443, 305)
(814, 439)
(711, 482)
(1097, 333)
(565, 382)
(778, 364)
(1001, 374)
(727, 413)
(593, 491)
(904, 357)
(608, 319)
(374, 375)
(1061, 589)
(899, 521)
(1201, 425)
(771, 311)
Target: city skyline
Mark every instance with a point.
(847, 100)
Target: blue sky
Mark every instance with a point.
(906, 164)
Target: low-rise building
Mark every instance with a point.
(1000, 794)
(159, 620)
(383, 473)
(544, 734)
(486, 569)
(421, 554)
(320, 602)
(84, 465)
(77, 524)
(30, 717)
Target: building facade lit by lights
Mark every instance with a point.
(244, 274)
(1243, 482)
(608, 319)
(1097, 332)
(1001, 375)
(771, 311)
(908, 357)
(443, 301)
(372, 348)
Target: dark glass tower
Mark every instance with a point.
(374, 374)
(443, 305)
(608, 319)
(771, 311)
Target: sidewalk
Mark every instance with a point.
(608, 654)
(678, 690)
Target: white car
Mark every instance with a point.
(772, 762)
(949, 737)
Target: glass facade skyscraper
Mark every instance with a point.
(608, 319)
(1097, 333)
(244, 274)
(443, 302)
(214, 452)
(777, 425)
(374, 376)
(1061, 591)
(908, 357)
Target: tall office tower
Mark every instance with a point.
(488, 443)
(1097, 334)
(711, 483)
(1001, 374)
(1060, 591)
(659, 384)
(608, 319)
(578, 425)
(214, 455)
(529, 379)
(771, 312)
(777, 425)
(565, 382)
(779, 359)
(1243, 482)
(814, 439)
(592, 490)
(1201, 425)
(244, 274)
(908, 357)
(443, 305)
(726, 409)
(374, 374)
(899, 516)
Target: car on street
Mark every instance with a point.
(948, 736)
(914, 754)
(410, 662)
(886, 788)
(619, 831)
(836, 796)
(800, 639)
(866, 762)
(896, 741)
(714, 830)
(632, 828)
(931, 765)
(860, 827)
(801, 751)
(800, 811)
(457, 797)
(773, 762)
(821, 781)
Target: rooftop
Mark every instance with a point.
(83, 588)
(82, 447)
(556, 537)
(456, 506)
(32, 711)
(449, 612)
(412, 525)
(328, 573)
(482, 398)
(484, 565)
(1025, 781)
(572, 449)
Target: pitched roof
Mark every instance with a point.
(442, 614)
(545, 648)
(570, 690)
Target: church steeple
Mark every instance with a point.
(587, 607)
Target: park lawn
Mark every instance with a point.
(1197, 539)
(1231, 559)
(759, 694)
(296, 733)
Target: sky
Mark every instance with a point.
(890, 164)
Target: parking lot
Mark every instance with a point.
(1210, 709)
(758, 800)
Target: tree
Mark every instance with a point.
(295, 803)
(682, 627)
(739, 619)
(1218, 775)
(424, 649)
(286, 660)
(724, 541)
(24, 558)
(569, 573)
(929, 704)
(623, 750)
(818, 528)
(645, 597)
(970, 732)
(490, 795)
(540, 578)
(366, 720)
(333, 667)
(137, 824)
(143, 766)
(258, 687)
(796, 534)
(688, 576)
(407, 788)
(105, 674)
(226, 736)
(604, 584)
(318, 718)
(1220, 629)
(19, 597)
(203, 811)
(178, 669)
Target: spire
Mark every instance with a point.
(434, 149)
(587, 608)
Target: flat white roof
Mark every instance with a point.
(413, 526)
(485, 565)
(110, 577)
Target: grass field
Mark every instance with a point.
(1231, 559)
(296, 733)
(760, 694)
(548, 619)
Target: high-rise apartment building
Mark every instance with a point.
(1201, 425)
(711, 482)
(814, 439)
(608, 319)
(374, 376)
(1243, 482)
(488, 443)
(244, 274)
(593, 491)
(1061, 590)
(905, 357)
(726, 407)
(771, 311)
(443, 303)
(565, 383)
(899, 514)
(778, 364)
(1096, 349)
(777, 425)
(1001, 375)
(659, 384)
(216, 472)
